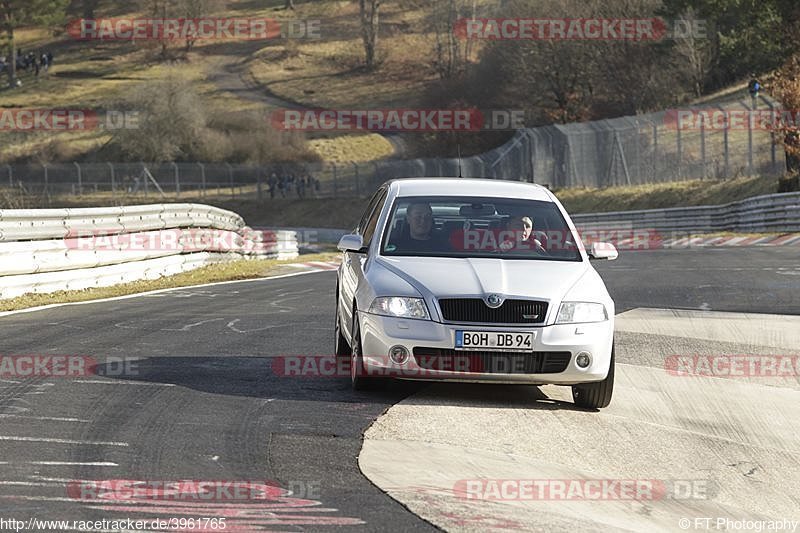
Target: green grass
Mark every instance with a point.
(230, 271)
(674, 194)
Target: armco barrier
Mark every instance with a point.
(47, 250)
(772, 213)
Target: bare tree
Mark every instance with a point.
(556, 77)
(369, 11)
(289, 4)
(695, 55)
(172, 118)
(580, 79)
(449, 59)
(194, 9)
(160, 9)
(185, 9)
(176, 124)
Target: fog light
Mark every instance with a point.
(583, 360)
(398, 355)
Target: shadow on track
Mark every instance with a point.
(254, 377)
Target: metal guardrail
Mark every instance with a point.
(47, 250)
(772, 213)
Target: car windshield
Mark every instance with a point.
(505, 228)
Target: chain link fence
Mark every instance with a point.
(710, 142)
(123, 182)
(623, 151)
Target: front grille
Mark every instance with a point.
(492, 362)
(476, 310)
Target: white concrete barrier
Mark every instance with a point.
(47, 250)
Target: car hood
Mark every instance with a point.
(438, 277)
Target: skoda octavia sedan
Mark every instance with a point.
(474, 280)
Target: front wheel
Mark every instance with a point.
(358, 378)
(596, 395)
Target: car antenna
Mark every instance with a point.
(459, 161)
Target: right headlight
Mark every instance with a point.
(400, 307)
(581, 312)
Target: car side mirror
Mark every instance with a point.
(352, 243)
(603, 250)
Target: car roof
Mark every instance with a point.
(485, 187)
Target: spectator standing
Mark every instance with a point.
(792, 142)
(282, 185)
(754, 87)
(273, 182)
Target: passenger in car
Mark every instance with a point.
(522, 225)
(519, 235)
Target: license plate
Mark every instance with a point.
(498, 341)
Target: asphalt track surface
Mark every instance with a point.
(755, 280)
(202, 402)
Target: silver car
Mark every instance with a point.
(474, 280)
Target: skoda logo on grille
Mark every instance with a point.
(494, 301)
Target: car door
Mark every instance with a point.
(353, 262)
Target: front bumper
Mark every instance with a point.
(380, 333)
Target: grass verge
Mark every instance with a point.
(232, 271)
(664, 195)
(344, 212)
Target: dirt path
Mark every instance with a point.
(232, 76)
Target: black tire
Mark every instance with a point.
(341, 346)
(358, 377)
(596, 395)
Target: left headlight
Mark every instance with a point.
(400, 307)
(581, 312)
